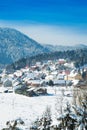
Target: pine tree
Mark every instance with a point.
(44, 122)
(81, 114)
(67, 120)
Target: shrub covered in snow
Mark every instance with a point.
(14, 125)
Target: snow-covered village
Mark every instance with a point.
(44, 96)
(43, 64)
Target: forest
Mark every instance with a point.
(79, 57)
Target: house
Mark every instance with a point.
(33, 91)
(66, 72)
(73, 76)
(59, 82)
(33, 68)
(49, 62)
(69, 65)
(40, 91)
(18, 73)
(40, 75)
(16, 83)
(38, 63)
(54, 73)
(49, 77)
(61, 61)
(60, 76)
(35, 83)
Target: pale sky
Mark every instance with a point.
(58, 35)
(50, 34)
(62, 22)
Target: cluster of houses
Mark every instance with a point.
(33, 80)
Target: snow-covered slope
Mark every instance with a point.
(13, 106)
(14, 45)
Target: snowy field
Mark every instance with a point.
(13, 106)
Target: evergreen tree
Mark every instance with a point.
(67, 120)
(44, 122)
(81, 114)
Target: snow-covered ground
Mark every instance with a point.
(13, 106)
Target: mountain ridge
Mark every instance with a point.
(54, 48)
(15, 45)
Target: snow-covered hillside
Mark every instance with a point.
(13, 106)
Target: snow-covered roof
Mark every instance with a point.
(18, 73)
(71, 65)
(49, 77)
(59, 81)
(16, 83)
(60, 76)
(54, 73)
(36, 81)
(75, 82)
(62, 60)
(73, 73)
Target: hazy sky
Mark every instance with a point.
(47, 21)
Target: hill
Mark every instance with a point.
(79, 57)
(14, 45)
(54, 48)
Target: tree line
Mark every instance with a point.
(79, 57)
